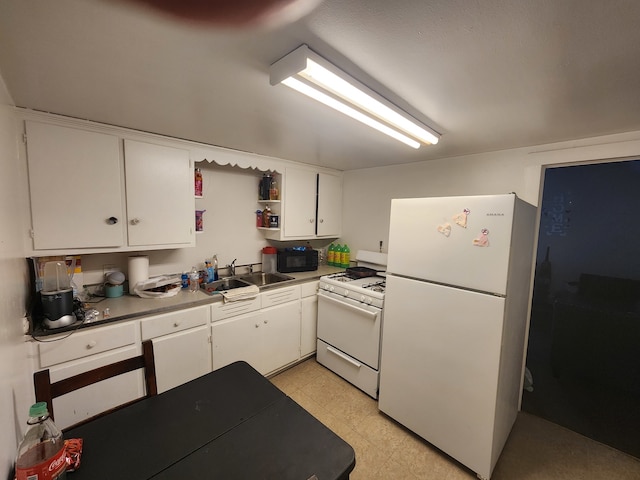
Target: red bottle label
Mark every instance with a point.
(50, 469)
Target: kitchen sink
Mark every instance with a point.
(224, 284)
(262, 279)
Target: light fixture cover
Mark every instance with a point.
(310, 74)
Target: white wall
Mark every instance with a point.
(15, 383)
(368, 192)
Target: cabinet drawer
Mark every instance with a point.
(309, 289)
(83, 344)
(355, 372)
(280, 295)
(166, 323)
(222, 310)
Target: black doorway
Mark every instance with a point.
(584, 340)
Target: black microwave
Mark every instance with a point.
(297, 260)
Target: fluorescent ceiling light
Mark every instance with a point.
(310, 74)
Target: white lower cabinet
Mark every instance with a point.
(181, 345)
(280, 337)
(86, 350)
(268, 339)
(237, 338)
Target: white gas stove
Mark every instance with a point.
(350, 321)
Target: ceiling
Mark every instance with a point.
(488, 75)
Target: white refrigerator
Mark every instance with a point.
(455, 320)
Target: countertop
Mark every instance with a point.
(129, 307)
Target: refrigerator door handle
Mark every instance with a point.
(373, 315)
(338, 353)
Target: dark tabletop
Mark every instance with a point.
(231, 423)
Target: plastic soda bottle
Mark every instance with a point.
(41, 454)
(331, 254)
(337, 256)
(345, 256)
(194, 280)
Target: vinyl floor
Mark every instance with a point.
(536, 449)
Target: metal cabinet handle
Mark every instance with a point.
(311, 220)
(176, 324)
(322, 220)
(135, 221)
(91, 344)
(112, 220)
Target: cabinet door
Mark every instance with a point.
(308, 325)
(181, 357)
(75, 187)
(329, 205)
(280, 337)
(237, 338)
(160, 200)
(299, 203)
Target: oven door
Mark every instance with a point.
(350, 326)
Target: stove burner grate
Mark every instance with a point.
(376, 286)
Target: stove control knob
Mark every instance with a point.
(345, 292)
(363, 299)
(331, 288)
(369, 300)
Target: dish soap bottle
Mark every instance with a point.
(41, 453)
(214, 260)
(209, 269)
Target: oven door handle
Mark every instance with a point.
(373, 315)
(338, 353)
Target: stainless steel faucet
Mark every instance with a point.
(232, 268)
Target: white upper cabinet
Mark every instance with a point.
(76, 188)
(92, 192)
(160, 201)
(329, 223)
(300, 203)
(311, 205)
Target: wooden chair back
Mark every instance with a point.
(47, 391)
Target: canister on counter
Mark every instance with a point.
(269, 259)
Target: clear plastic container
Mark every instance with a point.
(269, 260)
(55, 278)
(41, 454)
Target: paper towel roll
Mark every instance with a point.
(138, 270)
